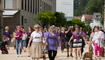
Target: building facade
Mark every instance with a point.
(1, 10)
(25, 11)
(66, 7)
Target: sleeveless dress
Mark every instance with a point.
(77, 40)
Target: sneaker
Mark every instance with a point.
(17, 55)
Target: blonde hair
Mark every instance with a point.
(45, 29)
(62, 28)
(50, 28)
(6, 27)
(37, 26)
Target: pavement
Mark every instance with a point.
(60, 55)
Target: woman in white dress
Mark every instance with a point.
(37, 38)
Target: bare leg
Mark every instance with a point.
(67, 52)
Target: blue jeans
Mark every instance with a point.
(18, 45)
(23, 43)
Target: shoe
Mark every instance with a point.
(67, 55)
(17, 55)
(20, 55)
(71, 55)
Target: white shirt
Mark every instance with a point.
(24, 36)
(36, 36)
(97, 35)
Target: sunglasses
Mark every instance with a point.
(36, 27)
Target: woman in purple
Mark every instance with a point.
(18, 37)
(7, 33)
(52, 43)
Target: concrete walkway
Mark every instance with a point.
(60, 56)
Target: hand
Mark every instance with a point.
(46, 43)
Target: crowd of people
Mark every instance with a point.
(37, 40)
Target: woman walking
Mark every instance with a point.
(7, 34)
(30, 30)
(18, 37)
(62, 38)
(77, 41)
(91, 40)
(24, 37)
(98, 39)
(68, 36)
(36, 38)
(52, 43)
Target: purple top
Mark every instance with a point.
(7, 34)
(62, 35)
(78, 35)
(28, 34)
(18, 34)
(52, 41)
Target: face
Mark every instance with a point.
(63, 29)
(18, 28)
(36, 28)
(23, 30)
(95, 29)
(77, 29)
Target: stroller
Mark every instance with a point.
(3, 48)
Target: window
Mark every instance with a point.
(31, 6)
(8, 4)
(28, 5)
(25, 4)
(22, 5)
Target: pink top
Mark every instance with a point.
(18, 34)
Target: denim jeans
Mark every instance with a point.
(23, 43)
(18, 46)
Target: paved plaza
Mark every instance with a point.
(60, 56)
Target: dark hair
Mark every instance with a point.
(97, 27)
(93, 29)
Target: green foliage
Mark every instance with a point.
(79, 6)
(102, 19)
(94, 6)
(87, 6)
(47, 18)
(74, 22)
(60, 19)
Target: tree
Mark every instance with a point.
(74, 22)
(60, 19)
(45, 18)
(102, 19)
(79, 6)
(94, 6)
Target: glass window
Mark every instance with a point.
(8, 4)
